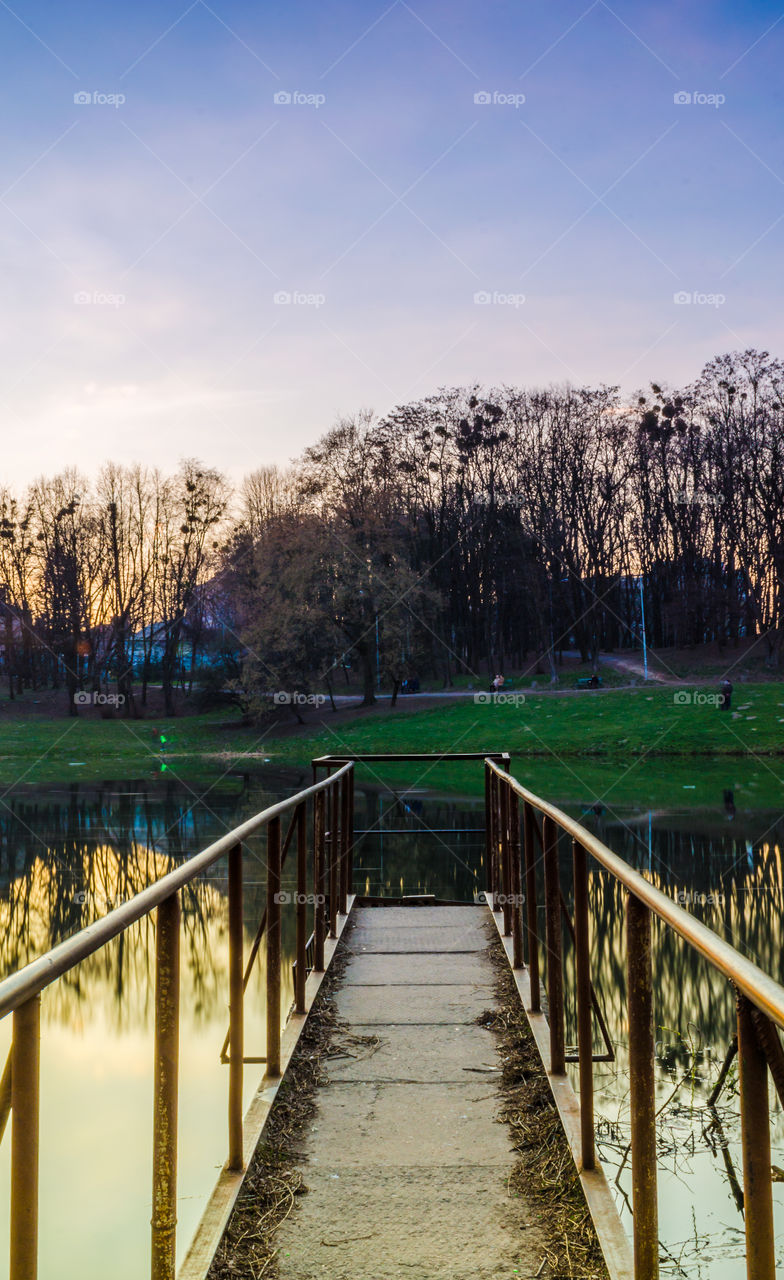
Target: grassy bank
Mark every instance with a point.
(629, 722)
(620, 724)
(40, 750)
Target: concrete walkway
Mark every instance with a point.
(406, 1166)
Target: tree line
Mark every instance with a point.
(105, 581)
(469, 531)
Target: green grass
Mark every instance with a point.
(628, 723)
(568, 675)
(624, 725)
(577, 783)
(43, 750)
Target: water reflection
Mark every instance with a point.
(67, 854)
(410, 843)
(731, 879)
(724, 865)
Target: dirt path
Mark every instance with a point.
(349, 711)
(633, 667)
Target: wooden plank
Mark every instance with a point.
(219, 1207)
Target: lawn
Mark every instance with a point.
(630, 722)
(624, 724)
(46, 750)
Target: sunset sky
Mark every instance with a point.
(423, 235)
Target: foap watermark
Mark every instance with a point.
(283, 98)
(84, 298)
(499, 699)
(487, 499)
(684, 98)
(484, 298)
(298, 299)
(606, 1129)
(684, 498)
(685, 698)
(84, 699)
(499, 900)
(690, 898)
(694, 298)
(284, 898)
(282, 698)
(85, 98)
(484, 98)
(82, 896)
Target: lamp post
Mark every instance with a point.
(644, 643)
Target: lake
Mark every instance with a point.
(70, 852)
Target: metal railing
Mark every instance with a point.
(20, 996)
(513, 850)
(511, 863)
(435, 757)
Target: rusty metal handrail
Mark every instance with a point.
(256, 944)
(760, 1002)
(20, 995)
(405, 757)
(755, 984)
(40, 973)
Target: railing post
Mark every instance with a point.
(302, 907)
(755, 1133)
(350, 831)
(25, 1076)
(555, 999)
(488, 830)
(319, 882)
(334, 854)
(516, 879)
(236, 1009)
(273, 948)
(532, 908)
(642, 1097)
(166, 1068)
(343, 843)
(506, 867)
(491, 858)
(5, 1093)
(502, 876)
(495, 812)
(584, 1022)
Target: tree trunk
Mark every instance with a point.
(368, 691)
(9, 652)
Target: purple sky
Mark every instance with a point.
(382, 202)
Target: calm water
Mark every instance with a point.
(68, 853)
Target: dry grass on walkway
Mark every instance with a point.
(274, 1179)
(545, 1173)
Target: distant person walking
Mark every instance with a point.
(726, 695)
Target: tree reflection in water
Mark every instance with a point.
(728, 877)
(68, 854)
(731, 880)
